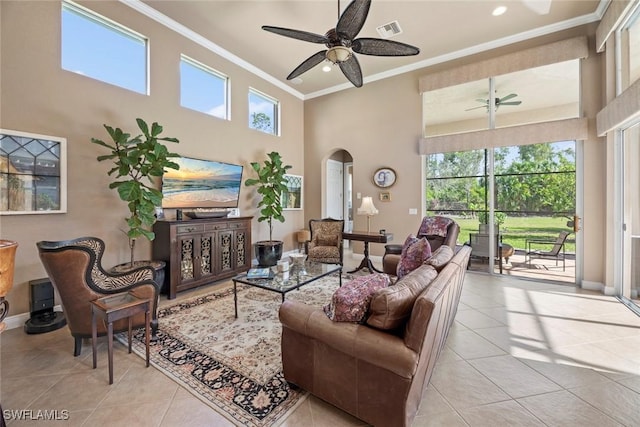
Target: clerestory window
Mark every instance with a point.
(102, 49)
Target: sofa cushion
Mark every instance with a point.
(350, 303)
(414, 253)
(391, 307)
(440, 257)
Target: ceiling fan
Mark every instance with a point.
(342, 44)
(498, 101)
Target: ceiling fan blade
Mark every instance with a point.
(380, 47)
(351, 69)
(484, 101)
(507, 97)
(475, 108)
(297, 34)
(308, 64)
(352, 19)
(511, 103)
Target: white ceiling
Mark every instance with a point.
(443, 30)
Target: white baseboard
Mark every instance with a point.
(592, 286)
(18, 320)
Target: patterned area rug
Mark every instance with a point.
(234, 365)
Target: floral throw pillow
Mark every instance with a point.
(413, 256)
(350, 303)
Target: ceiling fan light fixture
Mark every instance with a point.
(326, 68)
(338, 54)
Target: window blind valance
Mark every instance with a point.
(554, 131)
(565, 50)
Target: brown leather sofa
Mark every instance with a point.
(392, 252)
(376, 371)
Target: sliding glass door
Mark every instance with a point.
(631, 213)
(530, 193)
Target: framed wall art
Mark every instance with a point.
(385, 196)
(384, 177)
(292, 198)
(33, 173)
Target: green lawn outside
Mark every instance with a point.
(516, 230)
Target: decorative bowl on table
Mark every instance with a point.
(298, 259)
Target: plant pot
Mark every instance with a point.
(7, 264)
(268, 252)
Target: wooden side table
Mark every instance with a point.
(116, 307)
(366, 237)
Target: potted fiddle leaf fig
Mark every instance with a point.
(136, 161)
(271, 184)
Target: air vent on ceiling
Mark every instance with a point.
(389, 30)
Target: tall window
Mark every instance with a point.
(203, 89)
(102, 49)
(264, 112)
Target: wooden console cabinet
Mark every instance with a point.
(201, 251)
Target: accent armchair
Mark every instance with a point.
(75, 269)
(326, 240)
(439, 230)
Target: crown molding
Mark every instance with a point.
(184, 31)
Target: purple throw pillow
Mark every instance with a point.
(350, 303)
(413, 257)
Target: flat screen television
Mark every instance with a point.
(201, 184)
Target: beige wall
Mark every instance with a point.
(38, 96)
(379, 125)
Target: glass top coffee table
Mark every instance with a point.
(283, 282)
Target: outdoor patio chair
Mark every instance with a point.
(557, 251)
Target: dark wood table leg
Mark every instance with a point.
(147, 331)
(129, 334)
(235, 298)
(110, 337)
(366, 262)
(94, 336)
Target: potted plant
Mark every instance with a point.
(271, 184)
(136, 161)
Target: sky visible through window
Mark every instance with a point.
(97, 50)
(103, 50)
(202, 90)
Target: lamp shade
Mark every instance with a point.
(367, 207)
(303, 236)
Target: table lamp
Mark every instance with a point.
(303, 237)
(367, 208)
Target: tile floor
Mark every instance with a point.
(520, 353)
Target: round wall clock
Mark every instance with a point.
(384, 177)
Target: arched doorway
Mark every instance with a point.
(338, 186)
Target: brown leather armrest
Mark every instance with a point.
(393, 248)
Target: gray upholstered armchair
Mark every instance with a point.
(74, 267)
(326, 241)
